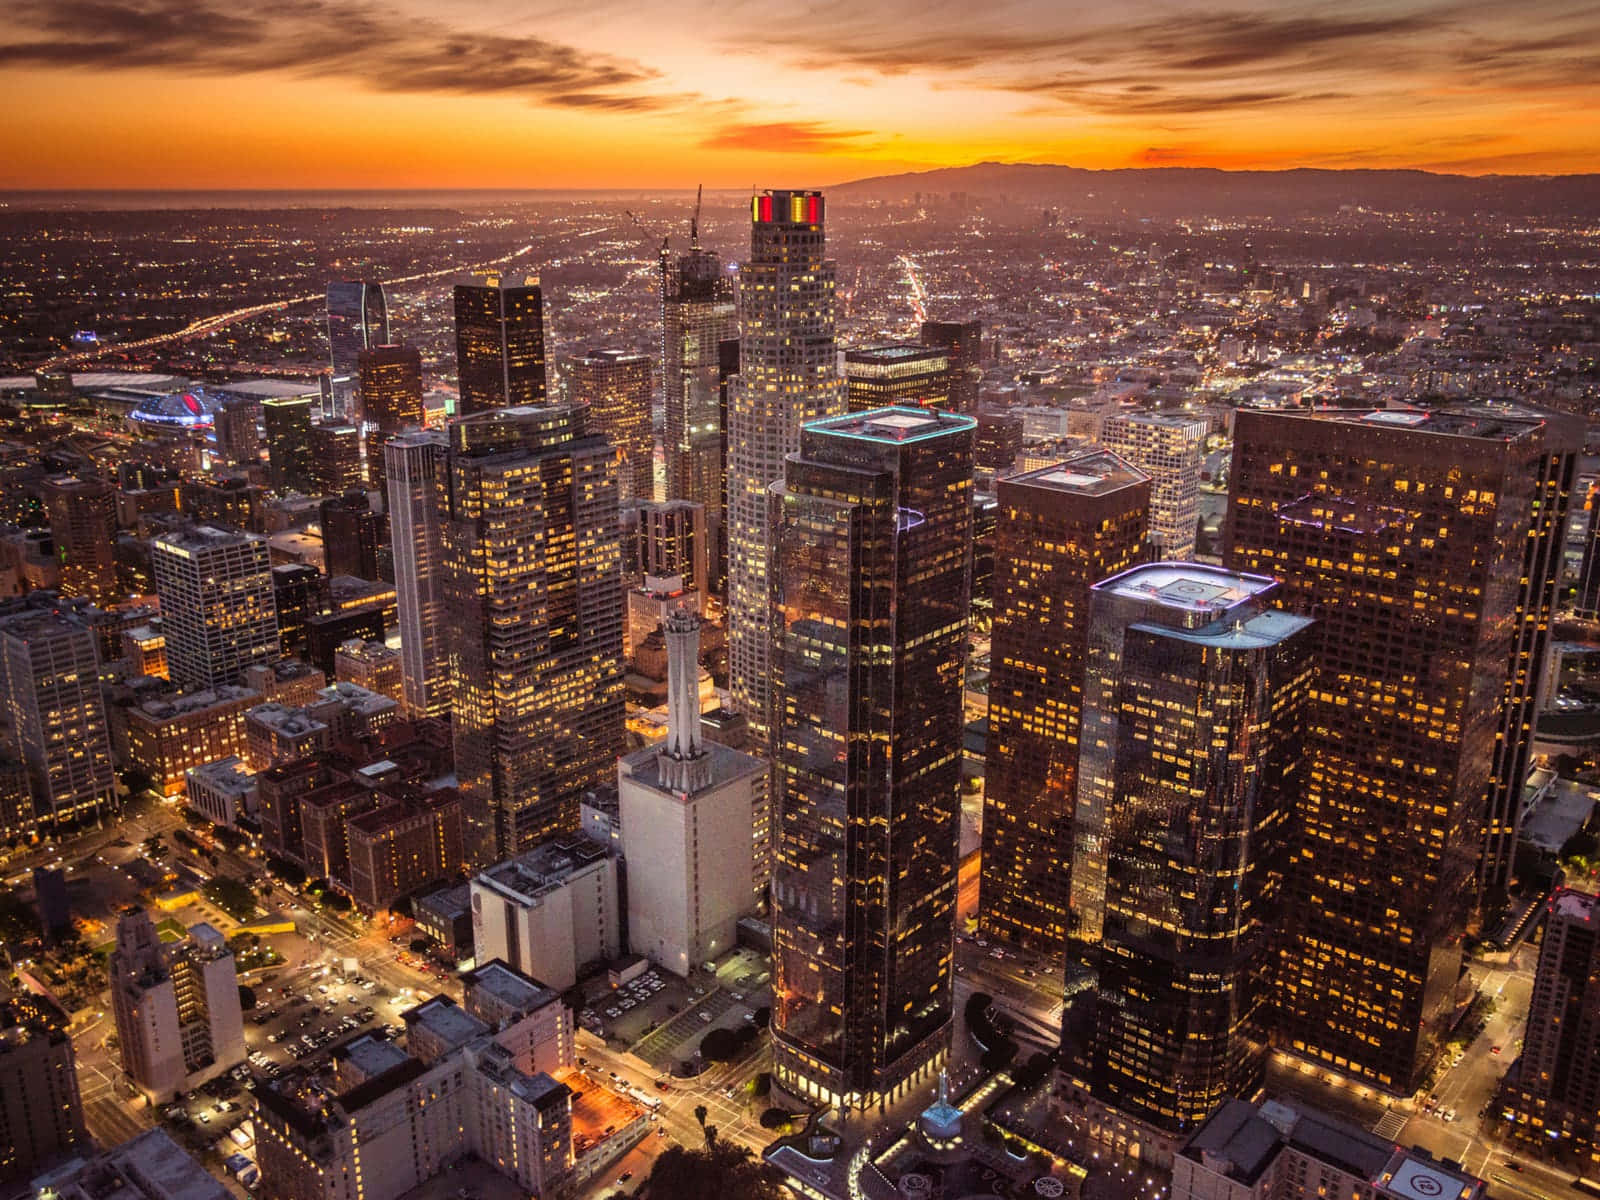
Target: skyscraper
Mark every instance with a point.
(391, 388)
(788, 374)
(1554, 1088)
(1425, 545)
(412, 464)
(963, 342)
(351, 534)
(698, 312)
(358, 319)
(1194, 690)
(616, 386)
(50, 696)
(1059, 530)
(534, 597)
(1168, 447)
(287, 422)
(871, 600)
(217, 610)
(899, 374)
(335, 459)
(41, 1114)
(499, 344)
(83, 525)
(672, 541)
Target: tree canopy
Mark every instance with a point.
(722, 1169)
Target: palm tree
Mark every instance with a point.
(700, 1113)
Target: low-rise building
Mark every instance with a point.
(445, 918)
(169, 735)
(403, 846)
(223, 791)
(549, 911)
(150, 1166)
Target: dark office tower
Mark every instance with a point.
(1425, 544)
(1194, 691)
(616, 387)
(391, 389)
(41, 1113)
(788, 375)
(963, 340)
(299, 592)
(999, 439)
(358, 319)
(351, 532)
(287, 422)
(83, 525)
(1554, 1090)
(698, 313)
(411, 466)
(534, 601)
(872, 567)
(1059, 531)
(1586, 598)
(905, 375)
(217, 609)
(237, 428)
(672, 541)
(499, 345)
(335, 459)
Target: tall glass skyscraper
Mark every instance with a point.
(1058, 531)
(358, 319)
(499, 344)
(698, 312)
(1194, 691)
(788, 375)
(873, 564)
(1427, 545)
(411, 464)
(534, 596)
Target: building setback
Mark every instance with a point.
(1058, 531)
(873, 569)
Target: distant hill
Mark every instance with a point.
(1192, 191)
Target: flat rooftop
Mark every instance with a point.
(1092, 473)
(1186, 587)
(444, 1020)
(509, 986)
(892, 424)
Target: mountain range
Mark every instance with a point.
(1170, 192)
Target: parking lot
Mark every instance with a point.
(303, 1014)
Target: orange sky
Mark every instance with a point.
(373, 94)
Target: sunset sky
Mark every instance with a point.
(399, 93)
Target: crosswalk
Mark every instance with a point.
(1391, 1123)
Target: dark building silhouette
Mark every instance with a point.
(83, 525)
(963, 341)
(299, 591)
(335, 459)
(351, 535)
(287, 423)
(1058, 531)
(499, 345)
(41, 1114)
(872, 567)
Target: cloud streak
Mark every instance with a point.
(786, 137)
(384, 50)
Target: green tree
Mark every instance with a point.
(722, 1169)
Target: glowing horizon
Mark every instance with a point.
(397, 94)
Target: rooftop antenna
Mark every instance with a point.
(694, 219)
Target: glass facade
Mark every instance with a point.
(871, 601)
(533, 589)
(1194, 691)
(616, 387)
(698, 313)
(903, 374)
(1424, 543)
(499, 345)
(1058, 531)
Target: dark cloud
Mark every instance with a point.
(382, 48)
(1205, 57)
(784, 137)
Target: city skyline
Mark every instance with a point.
(701, 93)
